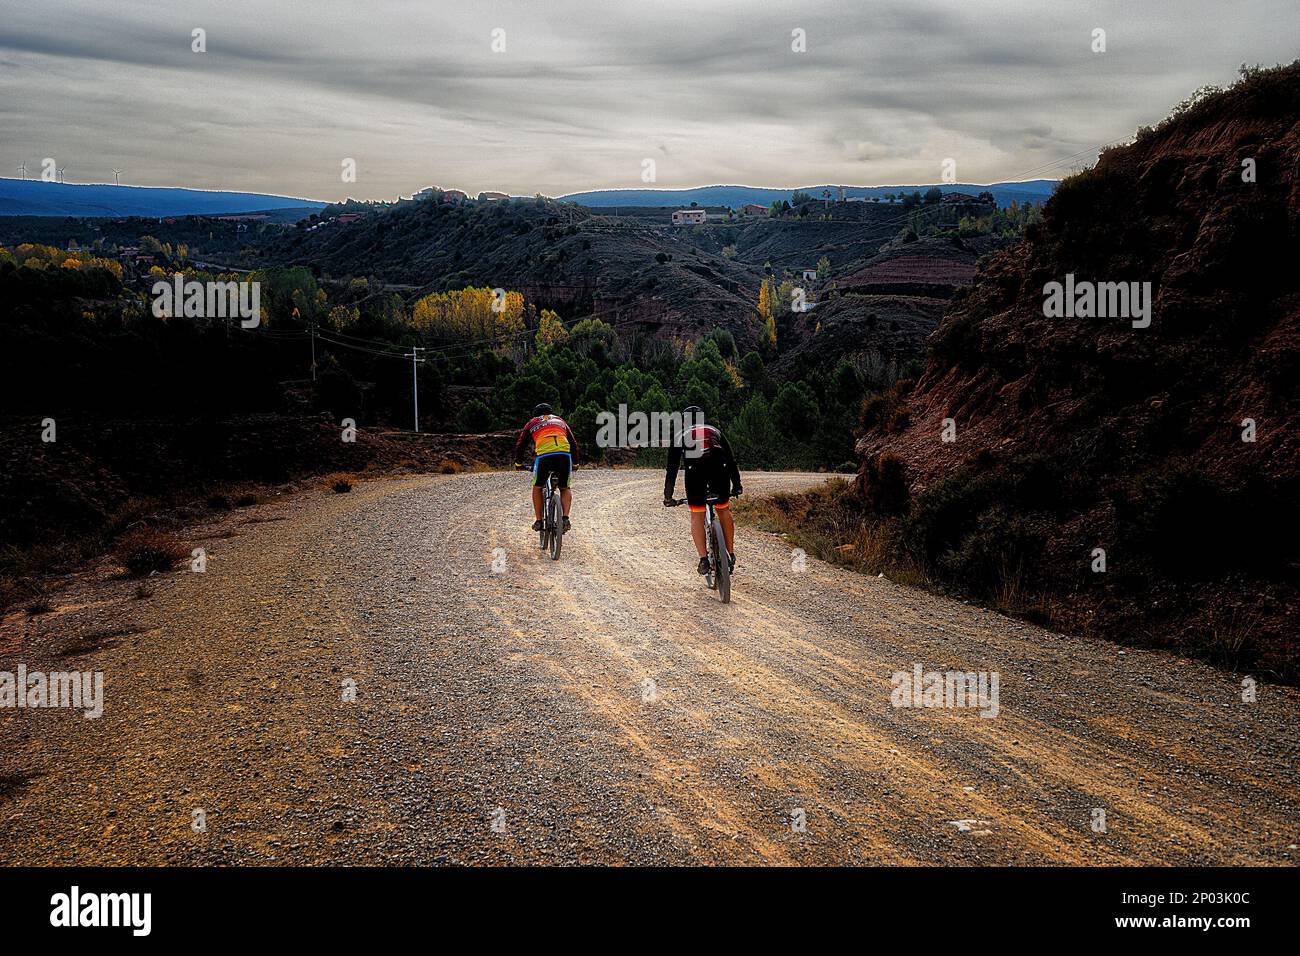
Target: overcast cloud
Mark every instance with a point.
(585, 90)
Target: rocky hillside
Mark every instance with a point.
(1171, 446)
(559, 255)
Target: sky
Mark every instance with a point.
(558, 96)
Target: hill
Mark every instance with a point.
(34, 197)
(1029, 191)
(559, 255)
(1172, 447)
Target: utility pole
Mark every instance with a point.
(415, 381)
(313, 351)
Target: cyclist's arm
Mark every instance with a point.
(674, 463)
(733, 470)
(519, 445)
(573, 443)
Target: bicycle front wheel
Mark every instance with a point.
(724, 568)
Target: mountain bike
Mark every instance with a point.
(719, 576)
(551, 537)
(552, 533)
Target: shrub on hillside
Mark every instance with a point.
(949, 512)
(146, 550)
(884, 484)
(340, 483)
(993, 558)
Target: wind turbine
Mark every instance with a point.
(117, 177)
(22, 168)
(62, 170)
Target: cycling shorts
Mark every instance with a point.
(707, 476)
(559, 462)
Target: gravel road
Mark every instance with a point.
(605, 708)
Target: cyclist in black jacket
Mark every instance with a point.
(710, 470)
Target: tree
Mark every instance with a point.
(725, 341)
(752, 435)
(551, 330)
(784, 301)
(583, 423)
(798, 197)
(795, 411)
(933, 195)
(751, 369)
(846, 383)
(823, 267)
(765, 303)
(469, 314)
(594, 339)
(475, 417)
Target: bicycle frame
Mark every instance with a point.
(552, 534)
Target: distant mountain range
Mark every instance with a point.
(34, 197)
(1031, 191)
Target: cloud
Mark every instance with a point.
(585, 90)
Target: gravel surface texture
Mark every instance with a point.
(602, 709)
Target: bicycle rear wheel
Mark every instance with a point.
(544, 536)
(556, 515)
(719, 549)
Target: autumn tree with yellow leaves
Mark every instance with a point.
(469, 314)
(550, 330)
(34, 256)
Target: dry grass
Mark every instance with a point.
(1229, 638)
(340, 482)
(146, 550)
(829, 523)
(449, 467)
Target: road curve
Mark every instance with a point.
(602, 709)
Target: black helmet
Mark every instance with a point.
(542, 409)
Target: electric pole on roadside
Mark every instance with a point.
(415, 381)
(313, 351)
